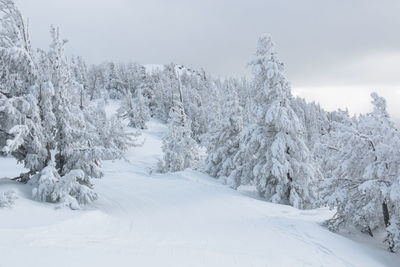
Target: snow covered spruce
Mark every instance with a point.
(255, 132)
(180, 150)
(364, 185)
(135, 106)
(272, 153)
(46, 121)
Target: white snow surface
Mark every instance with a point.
(186, 219)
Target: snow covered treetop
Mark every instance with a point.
(268, 69)
(379, 104)
(13, 29)
(269, 81)
(265, 45)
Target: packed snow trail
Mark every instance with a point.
(143, 218)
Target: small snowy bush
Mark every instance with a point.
(69, 190)
(7, 199)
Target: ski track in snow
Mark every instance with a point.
(181, 219)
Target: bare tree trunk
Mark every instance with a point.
(386, 216)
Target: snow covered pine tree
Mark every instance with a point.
(64, 180)
(365, 186)
(273, 151)
(135, 109)
(180, 149)
(44, 119)
(21, 132)
(225, 139)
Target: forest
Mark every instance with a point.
(249, 131)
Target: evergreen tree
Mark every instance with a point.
(225, 139)
(193, 89)
(135, 109)
(20, 129)
(45, 101)
(66, 177)
(364, 186)
(112, 85)
(180, 150)
(166, 86)
(95, 81)
(79, 76)
(273, 151)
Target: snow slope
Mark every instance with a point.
(182, 219)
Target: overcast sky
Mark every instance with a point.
(335, 52)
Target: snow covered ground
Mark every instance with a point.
(182, 219)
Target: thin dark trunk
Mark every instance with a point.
(386, 216)
(81, 100)
(48, 158)
(369, 231)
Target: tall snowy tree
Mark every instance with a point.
(273, 151)
(66, 178)
(20, 127)
(180, 150)
(314, 118)
(166, 86)
(114, 83)
(364, 187)
(46, 96)
(327, 145)
(79, 76)
(193, 89)
(96, 81)
(225, 140)
(135, 108)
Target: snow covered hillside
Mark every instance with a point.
(182, 219)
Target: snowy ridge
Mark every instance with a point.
(181, 219)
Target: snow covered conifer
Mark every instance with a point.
(113, 82)
(273, 151)
(79, 134)
(135, 105)
(135, 109)
(70, 136)
(95, 83)
(65, 190)
(166, 87)
(45, 120)
(194, 89)
(111, 135)
(20, 127)
(46, 96)
(79, 75)
(69, 118)
(180, 149)
(364, 187)
(225, 139)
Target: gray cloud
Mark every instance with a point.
(323, 43)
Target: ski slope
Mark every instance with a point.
(182, 219)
